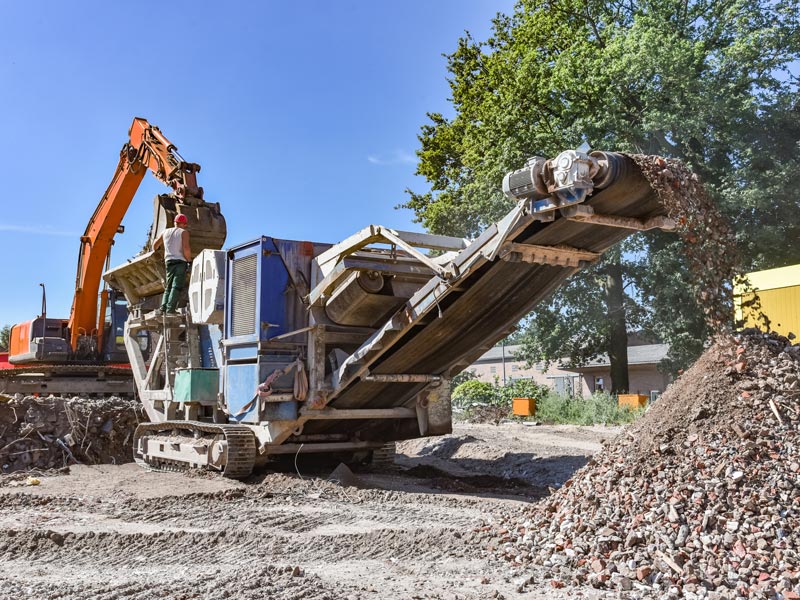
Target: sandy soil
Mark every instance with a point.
(407, 531)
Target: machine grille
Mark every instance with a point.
(243, 292)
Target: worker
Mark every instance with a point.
(177, 256)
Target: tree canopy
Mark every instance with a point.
(711, 82)
(5, 337)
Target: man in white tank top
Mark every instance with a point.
(177, 255)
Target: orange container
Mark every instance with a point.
(633, 401)
(524, 407)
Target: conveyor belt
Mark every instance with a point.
(487, 302)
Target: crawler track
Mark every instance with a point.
(67, 380)
(238, 461)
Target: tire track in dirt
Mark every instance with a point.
(224, 530)
(114, 549)
(206, 581)
(122, 533)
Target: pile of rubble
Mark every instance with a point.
(698, 499)
(50, 433)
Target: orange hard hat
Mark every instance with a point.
(181, 219)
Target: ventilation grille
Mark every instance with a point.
(243, 292)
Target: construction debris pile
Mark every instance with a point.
(698, 499)
(49, 433)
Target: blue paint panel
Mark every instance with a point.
(249, 350)
(209, 346)
(274, 282)
(234, 254)
(272, 289)
(278, 310)
(240, 387)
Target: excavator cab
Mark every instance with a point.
(45, 340)
(113, 349)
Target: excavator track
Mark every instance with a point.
(67, 380)
(183, 445)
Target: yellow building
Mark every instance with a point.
(779, 294)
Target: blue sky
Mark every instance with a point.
(303, 115)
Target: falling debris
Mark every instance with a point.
(708, 239)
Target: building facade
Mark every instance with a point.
(643, 374)
(502, 364)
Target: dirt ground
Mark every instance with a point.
(407, 531)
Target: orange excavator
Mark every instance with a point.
(72, 355)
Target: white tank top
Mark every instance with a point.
(173, 244)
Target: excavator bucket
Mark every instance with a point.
(207, 229)
(144, 275)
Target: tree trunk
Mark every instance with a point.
(618, 335)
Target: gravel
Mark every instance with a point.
(698, 499)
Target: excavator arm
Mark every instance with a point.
(59, 342)
(146, 150)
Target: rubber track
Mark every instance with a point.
(241, 445)
(66, 380)
(65, 370)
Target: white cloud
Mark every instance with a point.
(398, 157)
(44, 230)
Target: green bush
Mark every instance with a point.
(461, 378)
(522, 388)
(595, 409)
(474, 392)
(484, 401)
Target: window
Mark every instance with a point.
(598, 384)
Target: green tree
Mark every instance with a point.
(706, 81)
(5, 337)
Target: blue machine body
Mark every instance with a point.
(263, 279)
(210, 336)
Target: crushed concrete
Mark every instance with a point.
(698, 499)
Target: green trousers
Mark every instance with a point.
(176, 281)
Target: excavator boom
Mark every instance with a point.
(147, 149)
